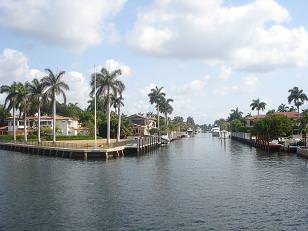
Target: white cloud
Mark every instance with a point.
(248, 84)
(250, 37)
(14, 67)
(112, 65)
(224, 74)
(74, 25)
(195, 86)
(79, 88)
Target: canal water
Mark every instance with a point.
(199, 183)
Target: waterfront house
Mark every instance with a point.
(249, 120)
(66, 126)
(141, 125)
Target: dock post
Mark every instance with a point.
(85, 155)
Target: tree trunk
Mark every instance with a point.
(39, 123)
(119, 124)
(258, 112)
(25, 127)
(108, 117)
(54, 119)
(14, 123)
(158, 116)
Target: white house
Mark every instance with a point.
(64, 125)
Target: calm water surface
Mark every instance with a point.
(199, 183)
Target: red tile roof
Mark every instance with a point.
(291, 115)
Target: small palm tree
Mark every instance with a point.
(11, 102)
(283, 108)
(37, 96)
(23, 101)
(298, 97)
(166, 108)
(156, 96)
(54, 86)
(258, 105)
(107, 84)
(235, 114)
(118, 102)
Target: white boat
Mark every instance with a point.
(165, 139)
(215, 131)
(189, 132)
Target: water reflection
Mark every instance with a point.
(198, 183)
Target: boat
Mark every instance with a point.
(165, 139)
(215, 131)
(189, 132)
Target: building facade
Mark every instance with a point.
(141, 125)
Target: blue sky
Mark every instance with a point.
(210, 56)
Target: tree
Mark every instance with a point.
(237, 125)
(23, 102)
(270, 112)
(303, 125)
(37, 96)
(166, 108)
(273, 126)
(4, 114)
(235, 114)
(283, 108)
(11, 102)
(298, 97)
(292, 109)
(117, 103)
(190, 121)
(258, 105)
(107, 85)
(55, 86)
(156, 96)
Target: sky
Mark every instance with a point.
(210, 56)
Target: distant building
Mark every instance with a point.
(66, 126)
(249, 120)
(141, 125)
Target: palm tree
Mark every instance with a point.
(256, 104)
(11, 101)
(283, 108)
(23, 101)
(298, 97)
(166, 108)
(54, 86)
(235, 114)
(117, 103)
(107, 84)
(156, 96)
(37, 95)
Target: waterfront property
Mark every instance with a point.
(141, 125)
(66, 126)
(249, 120)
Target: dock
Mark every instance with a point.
(88, 150)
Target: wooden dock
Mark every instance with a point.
(75, 151)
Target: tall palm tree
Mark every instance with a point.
(23, 101)
(283, 108)
(117, 103)
(156, 96)
(258, 105)
(37, 95)
(107, 84)
(298, 97)
(11, 102)
(166, 108)
(55, 86)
